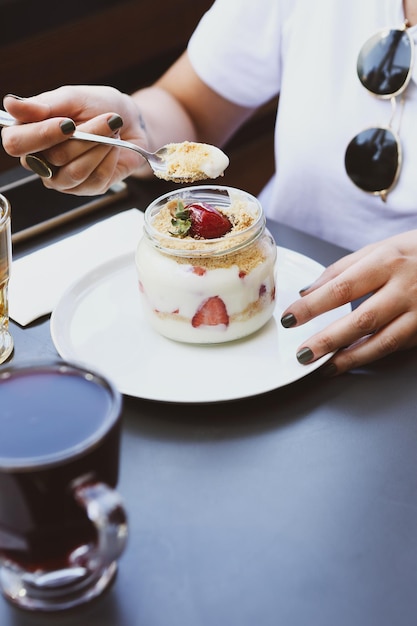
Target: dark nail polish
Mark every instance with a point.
(67, 127)
(304, 289)
(304, 355)
(328, 370)
(115, 122)
(288, 320)
(40, 166)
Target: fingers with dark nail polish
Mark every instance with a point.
(67, 126)
(40, 166)
(328, 370)
(288, 320)
(115, 122)
(305, 355)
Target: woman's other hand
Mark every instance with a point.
(384, 322)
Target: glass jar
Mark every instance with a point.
(208, 290)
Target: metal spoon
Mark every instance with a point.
(157, 160)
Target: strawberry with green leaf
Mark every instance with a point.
(199, 220)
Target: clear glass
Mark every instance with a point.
(208, 290)
(63, 525)
(6, 339)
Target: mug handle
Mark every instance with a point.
(104, 507)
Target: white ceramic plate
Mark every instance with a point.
(99, 321)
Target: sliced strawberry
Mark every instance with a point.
(200, 220)
(200, 271)
(212, 312)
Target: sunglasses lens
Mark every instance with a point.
(372, 159)
(384, 62)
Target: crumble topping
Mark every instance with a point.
(242, 215)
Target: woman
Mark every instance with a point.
(241, 54)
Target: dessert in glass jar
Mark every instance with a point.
(206, 265)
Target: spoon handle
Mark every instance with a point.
(109, 141)
(8, 120)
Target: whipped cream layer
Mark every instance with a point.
(174, 292)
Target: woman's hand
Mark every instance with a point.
(177, 107)
(384, 322)
(48, 119)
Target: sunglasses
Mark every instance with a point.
(373, 157)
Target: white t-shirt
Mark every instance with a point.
(307, 51)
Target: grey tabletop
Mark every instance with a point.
(297, 507)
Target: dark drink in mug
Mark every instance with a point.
(62, 524)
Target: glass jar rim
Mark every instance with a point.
(208, 247)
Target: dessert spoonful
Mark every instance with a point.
(184, 162)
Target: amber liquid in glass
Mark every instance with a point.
(6, 339)
(4, 278)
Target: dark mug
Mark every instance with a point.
(62, 524)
